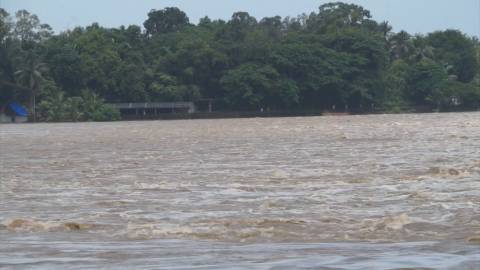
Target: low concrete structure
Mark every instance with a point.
(153, 109)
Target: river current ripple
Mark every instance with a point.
(338, 192)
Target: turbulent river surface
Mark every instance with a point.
(339, 192)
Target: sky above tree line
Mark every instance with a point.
(414, 16)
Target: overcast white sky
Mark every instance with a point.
(415, 16)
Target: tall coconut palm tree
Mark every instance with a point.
(401, 46)
(422, 49)
(31, 75)
(385, 28)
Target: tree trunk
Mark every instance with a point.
(34, 109)
(33, 106)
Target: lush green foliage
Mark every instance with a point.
(335, 58)
(88, 107)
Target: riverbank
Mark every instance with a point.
(274, 114)
(269, 114)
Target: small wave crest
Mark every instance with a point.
(225, 230)
(30, 225)
(448, 172)
(474, 239)
(162, 186)
(392, 223)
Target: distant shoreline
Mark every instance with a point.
(235, 115)
(271, 114)
(289, 113)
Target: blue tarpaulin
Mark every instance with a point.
(18, 109)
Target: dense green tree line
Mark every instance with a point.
(335, 58)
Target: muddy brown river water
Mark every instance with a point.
(347, 192)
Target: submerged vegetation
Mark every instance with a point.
(337, 58)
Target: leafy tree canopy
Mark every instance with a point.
(335, 58)
(165, 21)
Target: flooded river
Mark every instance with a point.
(347, 192)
